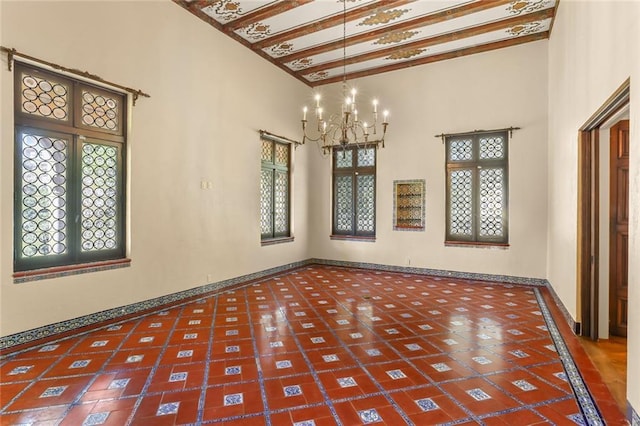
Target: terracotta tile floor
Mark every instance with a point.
(320, 346)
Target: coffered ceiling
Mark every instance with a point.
(319, 41)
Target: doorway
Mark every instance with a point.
(600, 254)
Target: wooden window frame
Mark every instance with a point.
(76, 135)
(475, 165)
(354, 171)
(275, 168)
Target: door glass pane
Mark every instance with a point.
(43, 207)
(281, 201)
(344, 203)
(344, 158)
(366, 157)
(460, 199)
(100, 110)
(99, 200)
(492, 147)
(491, 202)
(366, 203)
(44, 97)
(460, 150)
(266, 202)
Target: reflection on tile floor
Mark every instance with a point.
(317, 346)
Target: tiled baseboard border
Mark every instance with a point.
(58, 330)
(632, 415)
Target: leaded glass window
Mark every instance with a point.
(354, 191)
(477, 175)
(274, 190)
(69, 180)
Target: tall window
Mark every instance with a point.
(69, 171)
(354, 191)
(477, 177)
(274, 190)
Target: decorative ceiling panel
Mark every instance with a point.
(323, 41)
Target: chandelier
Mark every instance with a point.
(346, 128)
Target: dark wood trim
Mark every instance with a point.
(435, 58)
(332, 21)
(426, 42)
(449, 243)
(585, 260)
(68, 268)
(263, 13)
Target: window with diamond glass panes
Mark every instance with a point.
(477, 195)
(354, 191)
(274, 190)
(69, 171)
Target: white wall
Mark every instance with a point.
(490, 90)
(593, 49)
(209, 97)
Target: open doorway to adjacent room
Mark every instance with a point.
(603, 211)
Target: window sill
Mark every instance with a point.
(353, 238)
(476, 244)
(272, 241)
(63, 271)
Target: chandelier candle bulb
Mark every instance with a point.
(317, 97)
(304, 113)
(386, 115)
(375, 106)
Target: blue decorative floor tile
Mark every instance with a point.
(232, 308)
(232, 349)
(450, 342)
(369, 416)
(146, 339)
(425, 327)
(114, 328)
(135, 358)
(233, 399)
(561, 375)
(195, 322)
(231, 319)
(94, 419)
(356, 335)
(231, 371)
(48, 348)
(293, 390)
(332, 311)
(190, 336)
(396, 374)
(519, 353)
(515, 332)
(413, 347)
(155, 325)
(478, 394)
(347, 382)
(53, 391)
(80, 363)
(198, 311)
(185, 354)
(305, 423)
(426, 404)
(484, 336)
(308, 325)
(524, 385)
(482, 360)
(373, 352)
(118, 384)
(342, 322)
(577, 419)
(441, 367)
(392, 331)
(435, 312)
(231, 333)
(277, 344)
(512, 316)
(178, 377)
(330, 358)
(317, 340)
(270, 328)
(168, 408)
(283, 364)
(99, 343)
(300, 314)
(20, 370)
